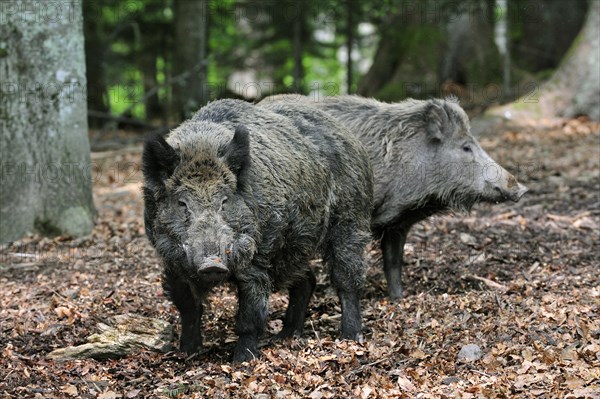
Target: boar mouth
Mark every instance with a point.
(498, 195)
(212, 269)
(512, 195)
(519, 193)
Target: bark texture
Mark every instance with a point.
(574, 88)
(126, 334)
(44, 150)
(544, 31)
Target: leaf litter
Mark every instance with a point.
(519, 282)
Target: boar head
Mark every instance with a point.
(455, 169)
(195, 214)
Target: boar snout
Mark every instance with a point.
(509, 189)
(207, 264)
(520, 192)
(212, 268)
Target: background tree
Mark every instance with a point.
(574, 88)
(299, 27)
(129, 54)
(146, 69)
(44, 147)
(190, 56)
(353, 12)
(542, 32)
(155, 32)
(95, 65)
(470, 53)
(431, 42)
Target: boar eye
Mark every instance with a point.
(467, 148)
(182, 204)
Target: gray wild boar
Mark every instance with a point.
(425, 161)
(250, 195)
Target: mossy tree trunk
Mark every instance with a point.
(574, 88)
(471, 56)
(45, 164)
(542, 32)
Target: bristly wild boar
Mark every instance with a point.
(251, 194)
(425, 161)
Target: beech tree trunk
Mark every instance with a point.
(544, 31)
(574, 88)
(471, 55)
(387, 57)
(45, 164)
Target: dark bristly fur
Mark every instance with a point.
(251, 194)
(425, 161)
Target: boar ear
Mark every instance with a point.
(437, 123)
(237, 153)
(159, 159)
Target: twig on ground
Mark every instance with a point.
(364, 366)
(489, 283)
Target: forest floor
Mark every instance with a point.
(520, 281)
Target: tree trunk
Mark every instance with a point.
(542, 32)
(190, 93)
(154, 109)
(44, 148)
(574, 88)
(502, 39)
(471, 55)
(387, 57)
(423, 49)
(97, 90)
(153, 32)
(297, 44)
(349, 44)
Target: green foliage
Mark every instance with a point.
(133, 44)
(125, 98)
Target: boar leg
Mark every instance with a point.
(190, 311)
(347, 268)
(299, 294)
(392, 246)
(253, 300)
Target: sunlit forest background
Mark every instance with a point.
(150, 63)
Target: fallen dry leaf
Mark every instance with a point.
(107, 395)
(70, 390)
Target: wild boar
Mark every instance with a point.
(250, 195)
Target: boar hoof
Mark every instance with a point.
(395, 293)
(190, 347)
(288, 333)
(358, 337)
(241, 355)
